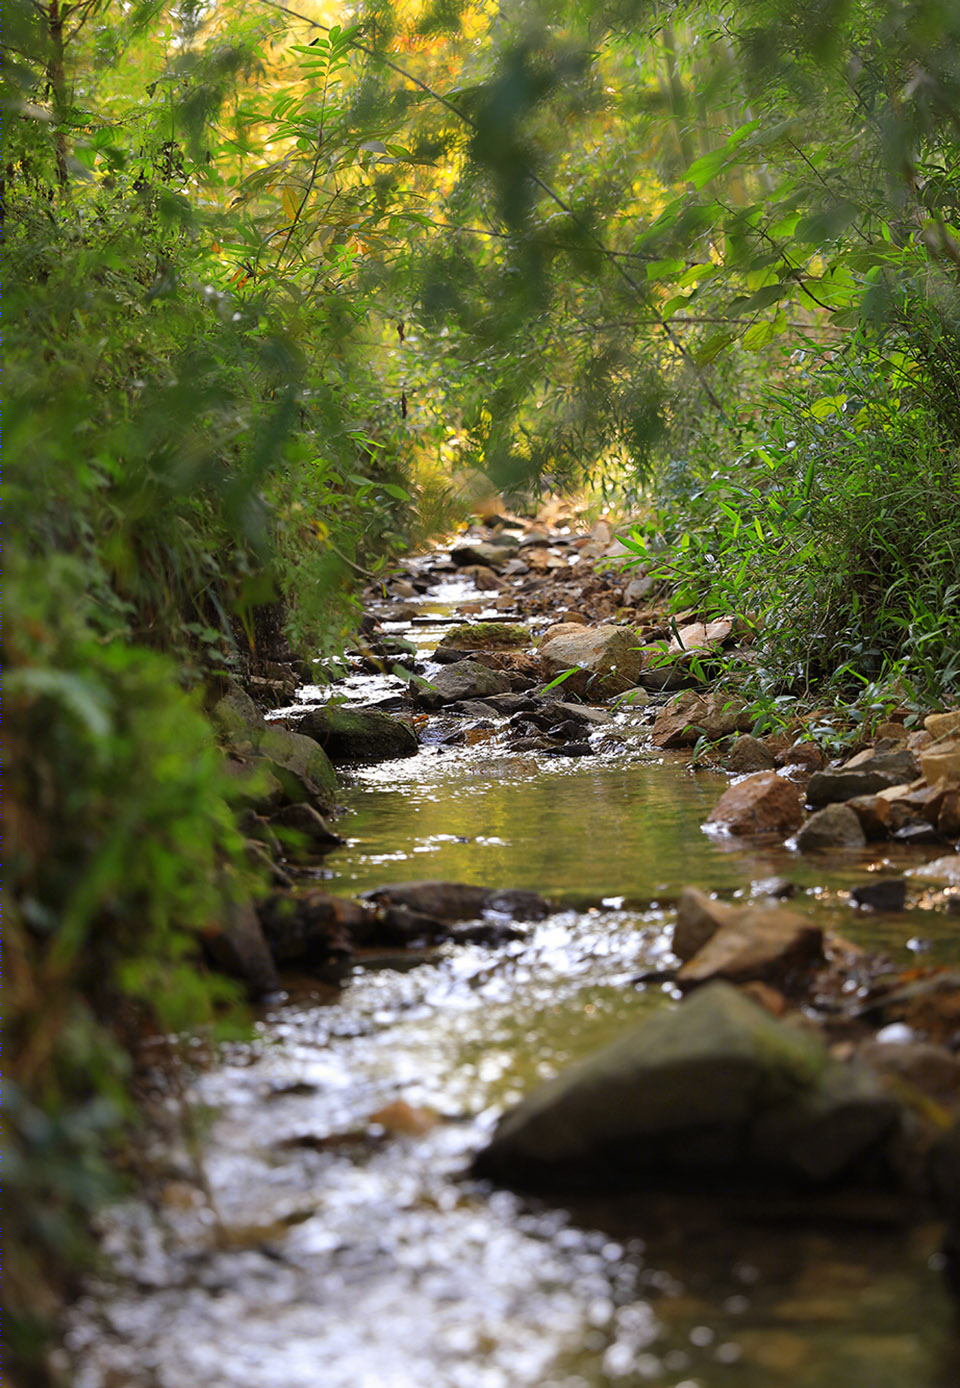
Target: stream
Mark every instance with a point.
(313, 1231)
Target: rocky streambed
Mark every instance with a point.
(561, 1089)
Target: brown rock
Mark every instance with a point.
(762, 804)
(836, 826)
(948, 820)
(749, 754)
(941, 762)
(770, 999)
(483, 577)
(805, 754)
(932, 1069)
(767, 944)
(605, 660)
(873, 814)
(564, 628)
(699, 917)
(402, 1119)
(691, 716)
(943, 724)
(893, 731)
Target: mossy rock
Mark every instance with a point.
(295, 753)
(357, 736)
(486, 636)
(714, 1086)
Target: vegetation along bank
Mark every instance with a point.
(280, 288)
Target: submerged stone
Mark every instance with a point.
(460, 901)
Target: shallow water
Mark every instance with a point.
(324, 1250)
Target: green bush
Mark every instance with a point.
(839, 530)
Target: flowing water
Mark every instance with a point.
(330, 1245)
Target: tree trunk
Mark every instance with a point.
(57, 86)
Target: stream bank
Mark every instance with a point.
(334, 1238)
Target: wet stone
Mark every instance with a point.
(467, 679)
(762, 804)
(357, 736)
(887, 894)
(835, 826)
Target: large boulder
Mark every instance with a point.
(271, 764)
(299, 764)
(716, 1087)
(357, 736)
(761, 804)
(605, 660)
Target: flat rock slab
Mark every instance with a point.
(761, 804)
(485, 636)
(868, 776)
(714, 1086)
(605, 660)
(485, 554)
(467, 679)
(461, 901)
(357, 736)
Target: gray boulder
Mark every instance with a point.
(715, 1086)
